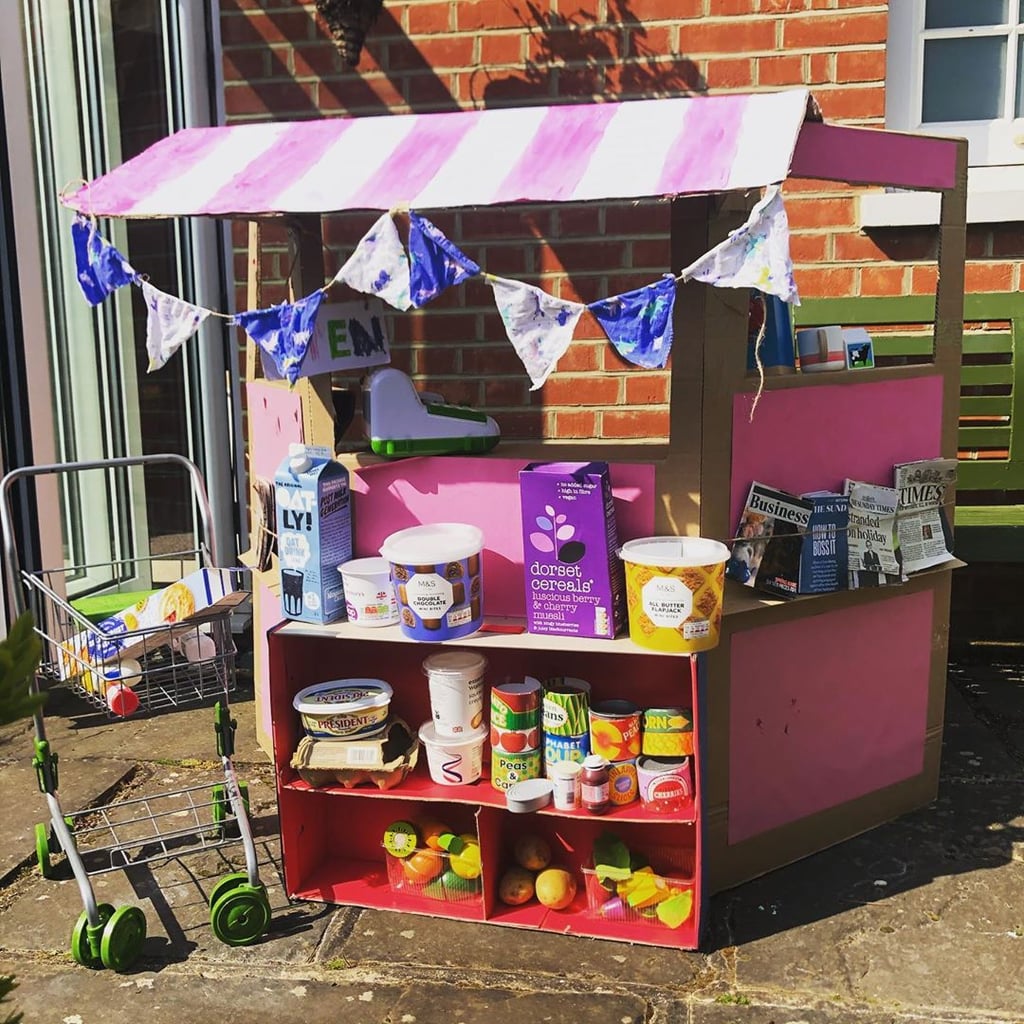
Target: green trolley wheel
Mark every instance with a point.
(43, 851)
(123, 936)
(222, 805)
(81, 949)
(241, 915)
(227, 883)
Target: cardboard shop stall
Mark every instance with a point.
(805, 734)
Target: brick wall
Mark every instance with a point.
(430, 55)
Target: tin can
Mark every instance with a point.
(667, 732)
(515, 741)
(508, 769)
(558, 749)
(622, 782)
(566, 703)
(666, 783)
(516, 705)
(615, 730)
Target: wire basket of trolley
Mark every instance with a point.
(165, 647)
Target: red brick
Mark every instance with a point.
(806, 248)
(619, 283)
(431, 52)
(860, 66)
(279, 27)
(825, 282)
(722, 8)
(653, 253)
(508, 224)
(507, 260)
(280, 99)
(576, 425)
(527, 425)
(989, 277)
(663, 10)
(566, 389)
(820, 212)
(583, 288)
(579, 81)
(729, 74)
(428, 19)
(730, 35)
(581, 356)
(505, 391)
(647, 389)
(577, 219)
(430, 91)
(881, 280)
(978, 242)
(495, 357)
(854, 103)
(635, 423)
(820, 68)
(435, 360)
(647, 217)
(482, 15)
(896, 245)
(832, 31)
(318, 60)
(642, 77)
(1008, 241)
(243, 65)
(360, 95)
(501, 48)
(649, 41)
(787, 69)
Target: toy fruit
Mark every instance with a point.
(400, 839)
(515, 887)
(463, 854)
(431, 832)
(457, 886)
(423, 866)
(555, 888)
(532, 853)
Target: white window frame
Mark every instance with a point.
(996, 148)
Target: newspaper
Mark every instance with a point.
(924, 488)
(872, 554)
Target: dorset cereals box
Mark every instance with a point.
(574, 578)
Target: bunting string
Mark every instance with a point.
(407, 275)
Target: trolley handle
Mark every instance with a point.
(11, 559)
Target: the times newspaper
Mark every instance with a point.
(921, 520)
(872, 552)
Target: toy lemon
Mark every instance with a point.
(463, 854)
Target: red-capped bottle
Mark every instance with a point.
(595, 784)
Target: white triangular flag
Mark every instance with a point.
(755, 255)
(379, 265)
(539, 326)
(170, 322)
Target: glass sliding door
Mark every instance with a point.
(106, 79)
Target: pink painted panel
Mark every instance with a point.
(826, 709)
(708, 142)
(275, 421)
(269, 615)
(810, 438)
(485, 493)
(864, 155)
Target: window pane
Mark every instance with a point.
(1019, 106)
(963, 79)
(958, 13)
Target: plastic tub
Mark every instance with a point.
(437, 572)
(456, 682)
(674, 592)
(369, 594)
(453, 762)
(345, 709)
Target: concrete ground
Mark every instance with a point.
(919, 920)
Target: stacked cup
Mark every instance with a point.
(454, 737)
(515, 732)
(615, 736)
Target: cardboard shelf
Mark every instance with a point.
(419, 786)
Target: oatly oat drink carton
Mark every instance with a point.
(314, 533)
(574, 578)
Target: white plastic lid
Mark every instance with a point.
(434, 543)
(594, 761)
(428, 735)
(459, 664)
(674, 552)
(366, 567)
(348, 694)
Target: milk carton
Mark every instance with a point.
(574, 578)
(314, 533)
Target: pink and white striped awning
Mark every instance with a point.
(568, 153)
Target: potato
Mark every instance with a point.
(515, 887)
(532, 853)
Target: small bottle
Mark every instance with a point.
(596, 790)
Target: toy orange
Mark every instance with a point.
(423, 866)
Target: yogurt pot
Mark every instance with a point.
(453, 762)
(345, 709)
(437, 571)
(456, 683)
(369, 594)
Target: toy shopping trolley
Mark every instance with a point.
(169, 648)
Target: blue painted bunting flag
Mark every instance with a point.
(639, 323)
(101, 269)
(379, 265)
(284, 332)
(170, 322)
(755, 255)
(539, 326)
(435, 262)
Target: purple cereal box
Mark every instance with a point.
(574, 578)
